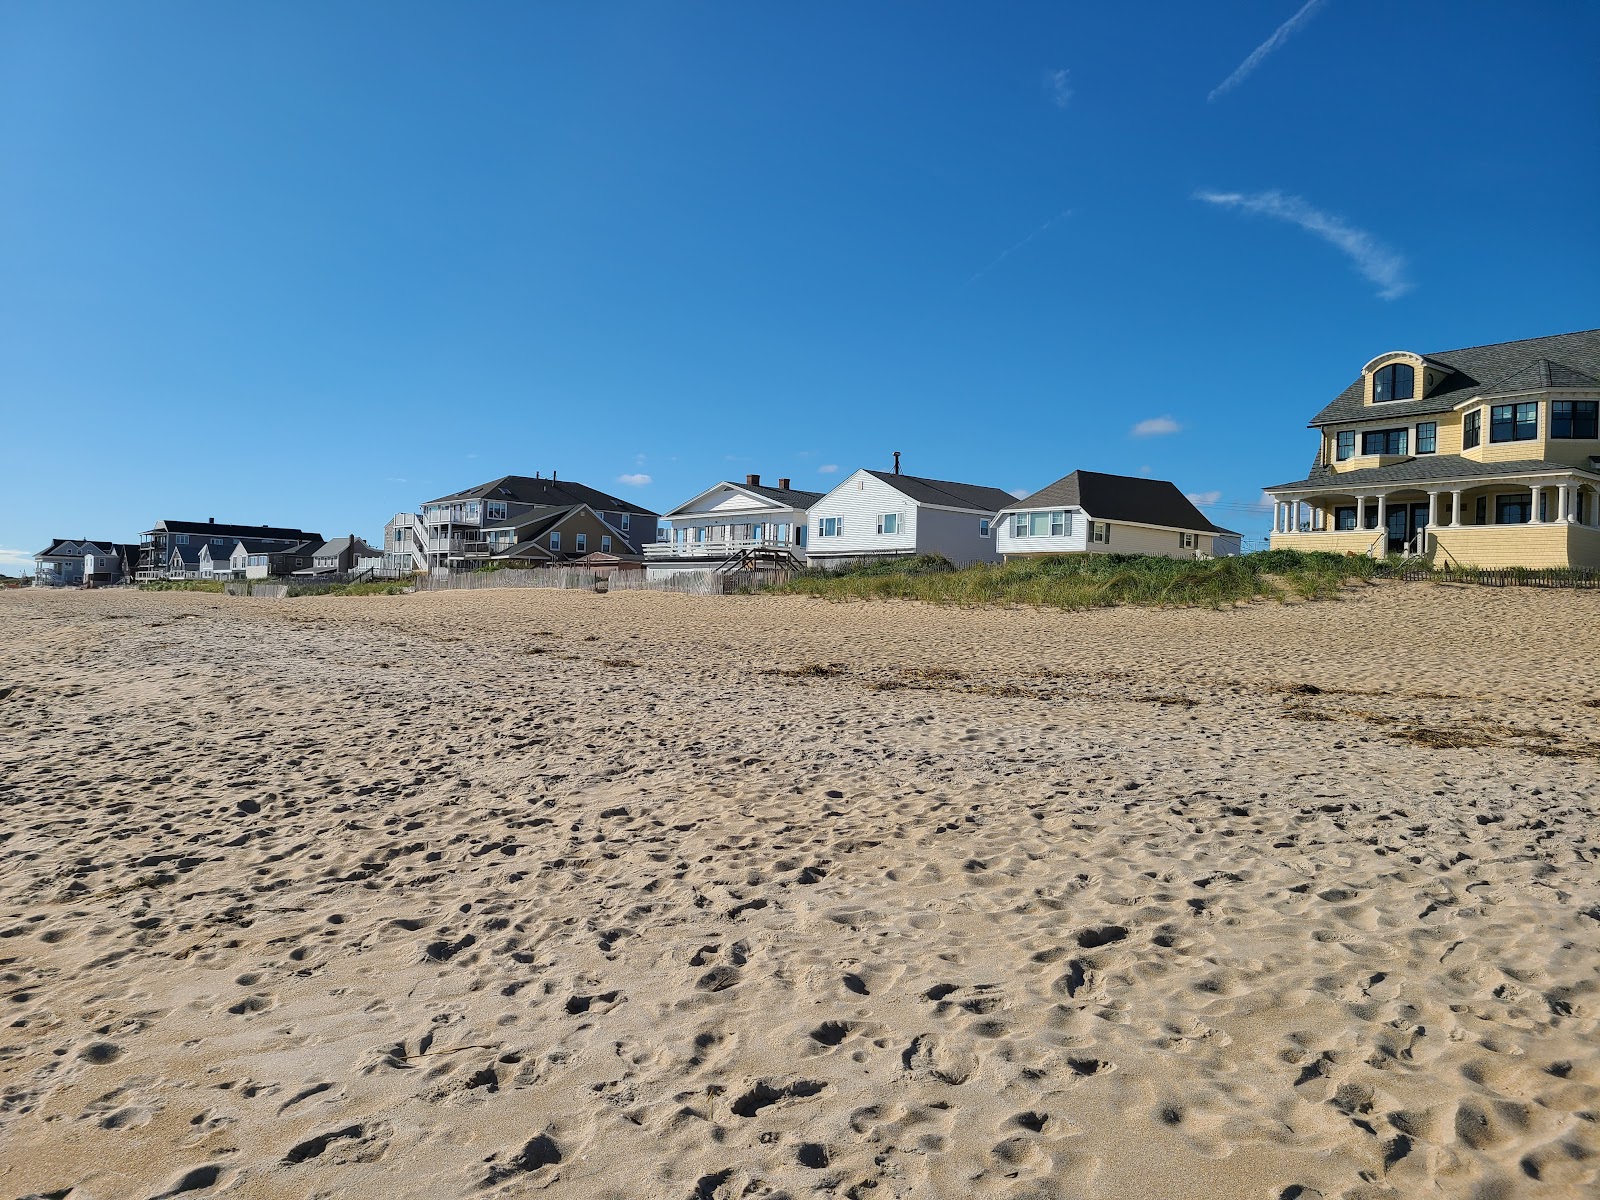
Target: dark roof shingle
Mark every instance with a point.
(1573, 358)
(973, 496)
(1121, 498)
(564, 493)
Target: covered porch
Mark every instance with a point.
(1548, 520)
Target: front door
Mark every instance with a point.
(1397, 518)
(1405, 521)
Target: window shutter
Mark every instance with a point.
(1107, 528)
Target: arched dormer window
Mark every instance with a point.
(1397, 381)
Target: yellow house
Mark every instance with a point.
(1483, 457)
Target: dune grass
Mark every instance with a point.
(1093, 581)
(181, 585)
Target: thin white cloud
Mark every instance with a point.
(1010, 250)
(1060, 83)
(1377, 262)
(828, 469)
(1021, 493)
(634, 480)
(12, 561)
(1155, 427)
(1279, 35)
(1203, 499)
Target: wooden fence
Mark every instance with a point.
(1580, 578)
(692, 583)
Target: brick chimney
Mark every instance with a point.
(783, 483)
(752, 481)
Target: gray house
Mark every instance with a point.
(342, 556)
(172, 548)
(466, 528)
(70, 562)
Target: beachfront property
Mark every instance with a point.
(1088, 512)
(71, 562)
(172, 549)
(270, 560)
(341, 556)
(749, 526)
(884, 514)
(1483, 457)
(521, 521)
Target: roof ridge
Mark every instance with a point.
(1510, 342)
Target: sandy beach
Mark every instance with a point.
(643, 895)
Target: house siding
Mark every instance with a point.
(1011, 546)
(860, 507)
(924, 529)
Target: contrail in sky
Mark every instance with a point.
(1007, 253)
(1280, 35)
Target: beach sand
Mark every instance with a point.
(641, 895)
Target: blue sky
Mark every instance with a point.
(313, 263)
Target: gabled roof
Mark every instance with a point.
(523, 490)
(1475, 370)
(971, 496)
(1121, 498)
(783, 497)
(76, 546)
(209, 529)
(350, 542)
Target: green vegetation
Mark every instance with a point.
(376, 587)
(181, 585)
(1094, 581)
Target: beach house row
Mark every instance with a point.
(207, 550)
(879, 515)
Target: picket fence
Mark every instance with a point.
(692, 583)
(1582, 579)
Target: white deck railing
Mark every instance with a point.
(717, 548)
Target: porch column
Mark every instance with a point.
(1569, 503)
(1455, 507)
(1383, 505)
(1361, 512)
(1433, 509)
(1533, 504)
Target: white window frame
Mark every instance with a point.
(580, 543)
(605, 543)
(1188, 541)
(888, 524)
(1100, 532)
(555, 541)
(623, 521)
(983, 526)
(830, 527)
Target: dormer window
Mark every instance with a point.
(1397, 381)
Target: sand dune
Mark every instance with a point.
(638, 895)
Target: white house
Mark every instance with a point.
(215, 561)
(1088, 512)
(884, 514)
(746, 525)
